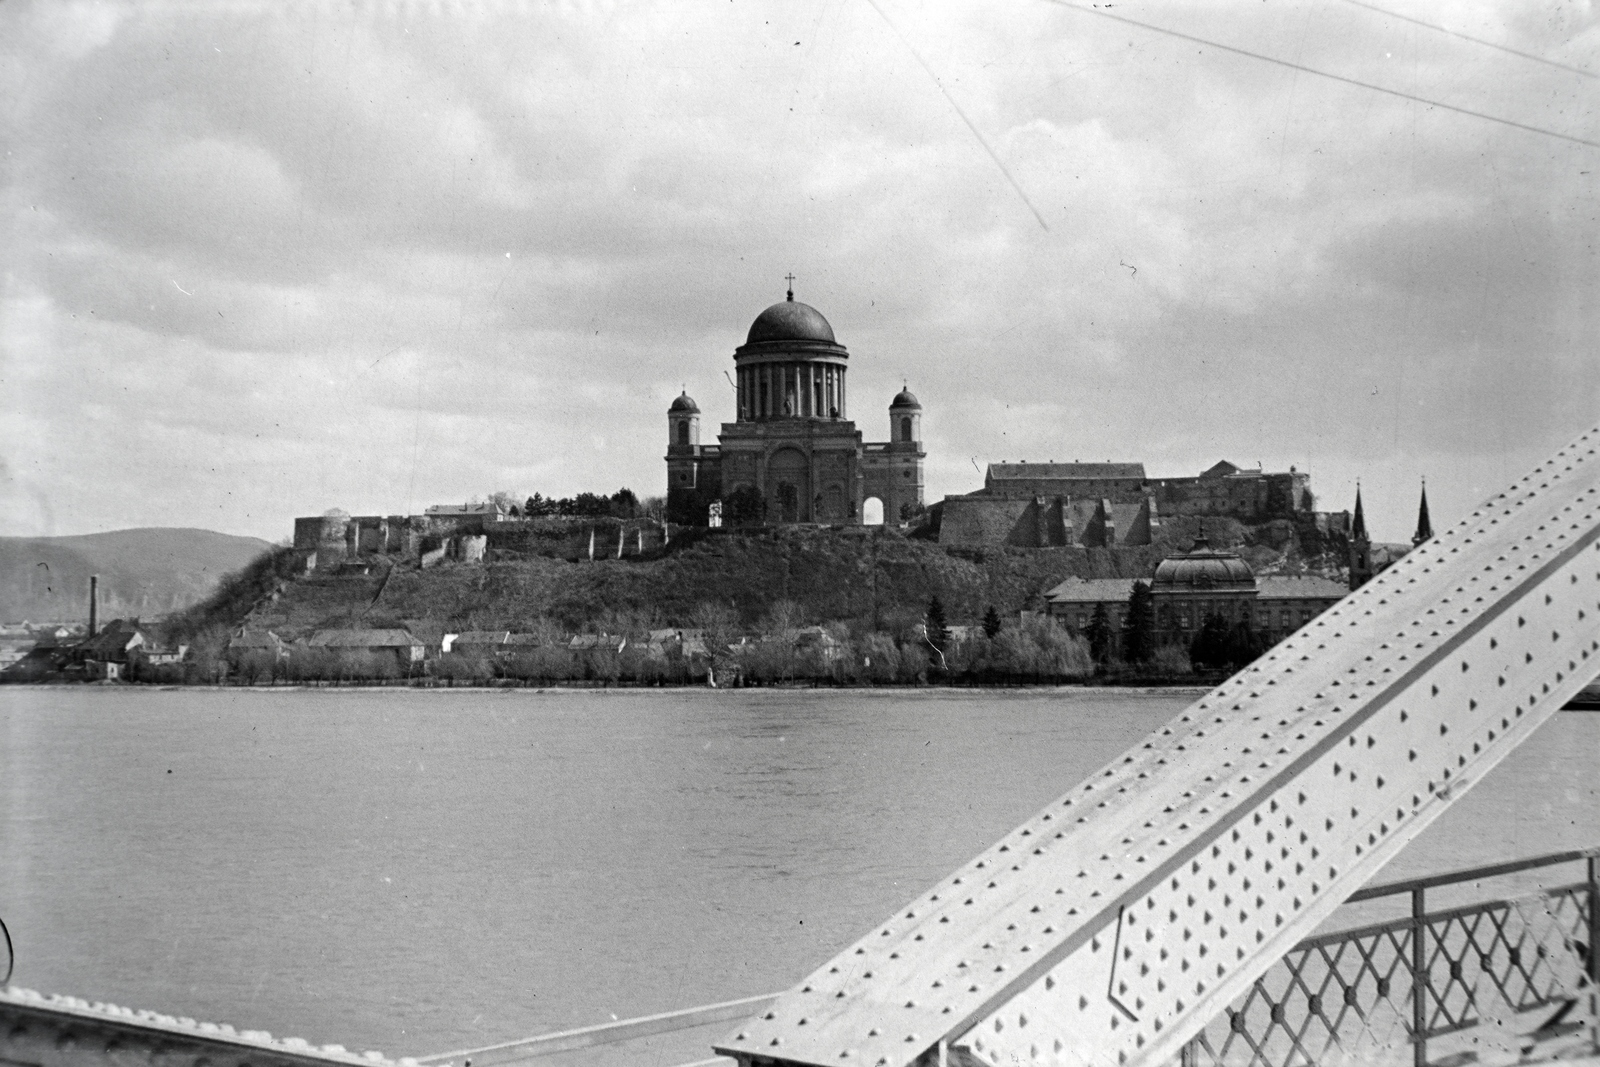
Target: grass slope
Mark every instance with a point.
(871, 582)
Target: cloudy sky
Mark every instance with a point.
(377, 257)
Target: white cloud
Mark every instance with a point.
(262, 260)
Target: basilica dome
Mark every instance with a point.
(790, 321)
(1206, 568)
(684, 405)
(905, 399)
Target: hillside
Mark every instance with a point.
(870, 579)
(146, 572)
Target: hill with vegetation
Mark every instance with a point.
(150, 571)
(865, 578)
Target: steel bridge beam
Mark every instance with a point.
(1110, 927)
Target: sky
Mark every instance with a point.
(372, 256)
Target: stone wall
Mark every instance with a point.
(326, 543)
(977, 520)
(1104, 512)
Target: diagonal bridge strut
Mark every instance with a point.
(1110, 927)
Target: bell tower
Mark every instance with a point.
(692, 474)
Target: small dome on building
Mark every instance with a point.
(904, 399)
(1204, 567)
(790, 321)
(684, 405)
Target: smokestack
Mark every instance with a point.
(94, 603)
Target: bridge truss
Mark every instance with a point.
(1113, 925)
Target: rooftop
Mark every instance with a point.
(1022, 471)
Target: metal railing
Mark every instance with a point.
(602, 1034)
(1476, 972)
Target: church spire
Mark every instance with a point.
(1424, 527)
(1360, 546)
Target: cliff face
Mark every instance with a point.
(866, 577)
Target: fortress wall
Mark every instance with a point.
(1126, 515)
(978, 521)
(321, 540)
(1276, 495)
(1113, 488)
(568, 537)
(1048, 522)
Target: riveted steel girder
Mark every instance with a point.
(1111, 926)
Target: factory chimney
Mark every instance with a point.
(94, 603)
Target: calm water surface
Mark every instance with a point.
(419, 871)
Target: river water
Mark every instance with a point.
(417, 871)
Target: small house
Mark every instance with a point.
(258, 642)
(406, 649)
(475, 642)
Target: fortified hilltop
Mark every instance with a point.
(792, 446)
(1103, 505)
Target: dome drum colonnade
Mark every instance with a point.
(791, 439)
(790, 366)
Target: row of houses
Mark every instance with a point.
(409, 651)
(108, 654)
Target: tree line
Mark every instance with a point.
(623, 504)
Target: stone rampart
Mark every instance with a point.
(978, 520)
(327, 543)
(1104, 512)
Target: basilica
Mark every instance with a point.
(792, 455)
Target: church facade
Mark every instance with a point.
(792, 454)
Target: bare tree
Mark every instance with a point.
(784, 617)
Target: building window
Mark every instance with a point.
(683, 433)
(905, 428)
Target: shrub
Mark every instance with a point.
(253, 668)
(463, 667)
(1172, 659)
(545, 663)
(880, 658)
(1038, 649)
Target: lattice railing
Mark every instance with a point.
(1498, 975)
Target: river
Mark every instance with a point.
(416, 871)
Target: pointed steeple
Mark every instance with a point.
(1360, 546)
(1424, 527)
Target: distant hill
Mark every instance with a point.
(148, 572)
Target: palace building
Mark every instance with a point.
(1190, 586)
(792, 455)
